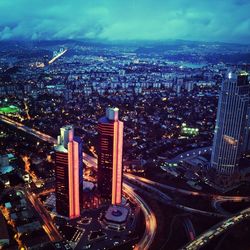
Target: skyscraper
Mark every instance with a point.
(69, 176)
(231, 138)
(110, 148)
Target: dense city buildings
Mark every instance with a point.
(110, 147)
(68, 173)
(146, 185)
(231, 139)
(153, 151)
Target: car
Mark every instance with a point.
(87, 246)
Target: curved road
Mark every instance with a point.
(168, 200)
(188, 192)
(150, 218)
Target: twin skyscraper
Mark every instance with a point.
(69, 166)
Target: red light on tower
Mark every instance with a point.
(73, 172)
(68, 173)
(110, 167)
(117, 163)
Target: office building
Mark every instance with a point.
(110, 146)
(69, 173)
(231, 138)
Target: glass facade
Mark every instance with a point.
(232, 125)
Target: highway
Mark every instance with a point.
(48, 225)
(90, 161)
(160, 196)
(31, 131)
(188, 192)
(217, 230)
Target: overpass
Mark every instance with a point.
(217, 230)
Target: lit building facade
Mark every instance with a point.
(69, 173)
(231, 138)
(110, 149)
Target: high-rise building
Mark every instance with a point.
(231, 138)
(110, 148)
(69, 173)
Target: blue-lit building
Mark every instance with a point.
(231, 138)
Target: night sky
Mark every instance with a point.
(205, 20)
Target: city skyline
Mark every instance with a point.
(124, 124)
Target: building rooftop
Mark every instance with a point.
(29, 227)
(116, 214)
(104, 119)
(61, 148)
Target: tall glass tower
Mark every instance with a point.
(110, 148)
(231, 137)
(69, 173)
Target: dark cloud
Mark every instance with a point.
(210, 20)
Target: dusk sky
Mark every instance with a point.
(206, 20)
